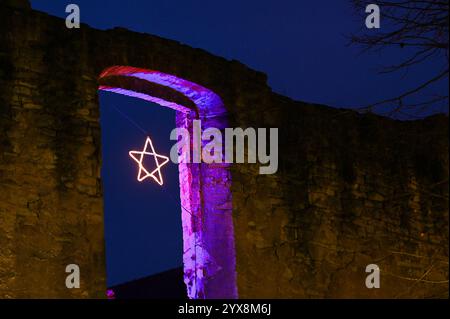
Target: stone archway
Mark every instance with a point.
(205, 189)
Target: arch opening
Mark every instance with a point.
(205, 189)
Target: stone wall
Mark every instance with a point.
(351, 189)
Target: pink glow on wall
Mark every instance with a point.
(110, 294)
(208, 103)
(205, 189)
(149, 98)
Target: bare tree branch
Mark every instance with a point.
(421, 28)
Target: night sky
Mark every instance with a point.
(301, 45)
(142, 220)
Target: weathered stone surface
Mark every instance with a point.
(351, 189)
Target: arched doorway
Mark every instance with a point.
(205, 189)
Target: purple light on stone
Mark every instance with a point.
(110, 294)
(205, 189)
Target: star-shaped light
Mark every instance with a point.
(139, 158)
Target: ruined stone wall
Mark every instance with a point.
(351, 189)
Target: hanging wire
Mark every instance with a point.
(131, 121)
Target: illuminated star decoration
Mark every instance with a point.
(139, 158)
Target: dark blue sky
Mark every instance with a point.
(142, 220)
(301, 45)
